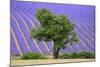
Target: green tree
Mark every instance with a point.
(56, 28)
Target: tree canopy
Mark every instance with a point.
(54, 27)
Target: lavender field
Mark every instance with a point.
(23, 20)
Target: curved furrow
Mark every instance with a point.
(88, 21)
(14, 49)
(82, 43)
(22, 33)
(83, 28)
(86, 28)
(16, 42)
(32, 43)
(84, 32)
(88, 44)
(19, 36)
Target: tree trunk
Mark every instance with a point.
(56, 52)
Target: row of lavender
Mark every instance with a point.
(23, 20)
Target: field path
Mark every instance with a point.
(47, 61)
